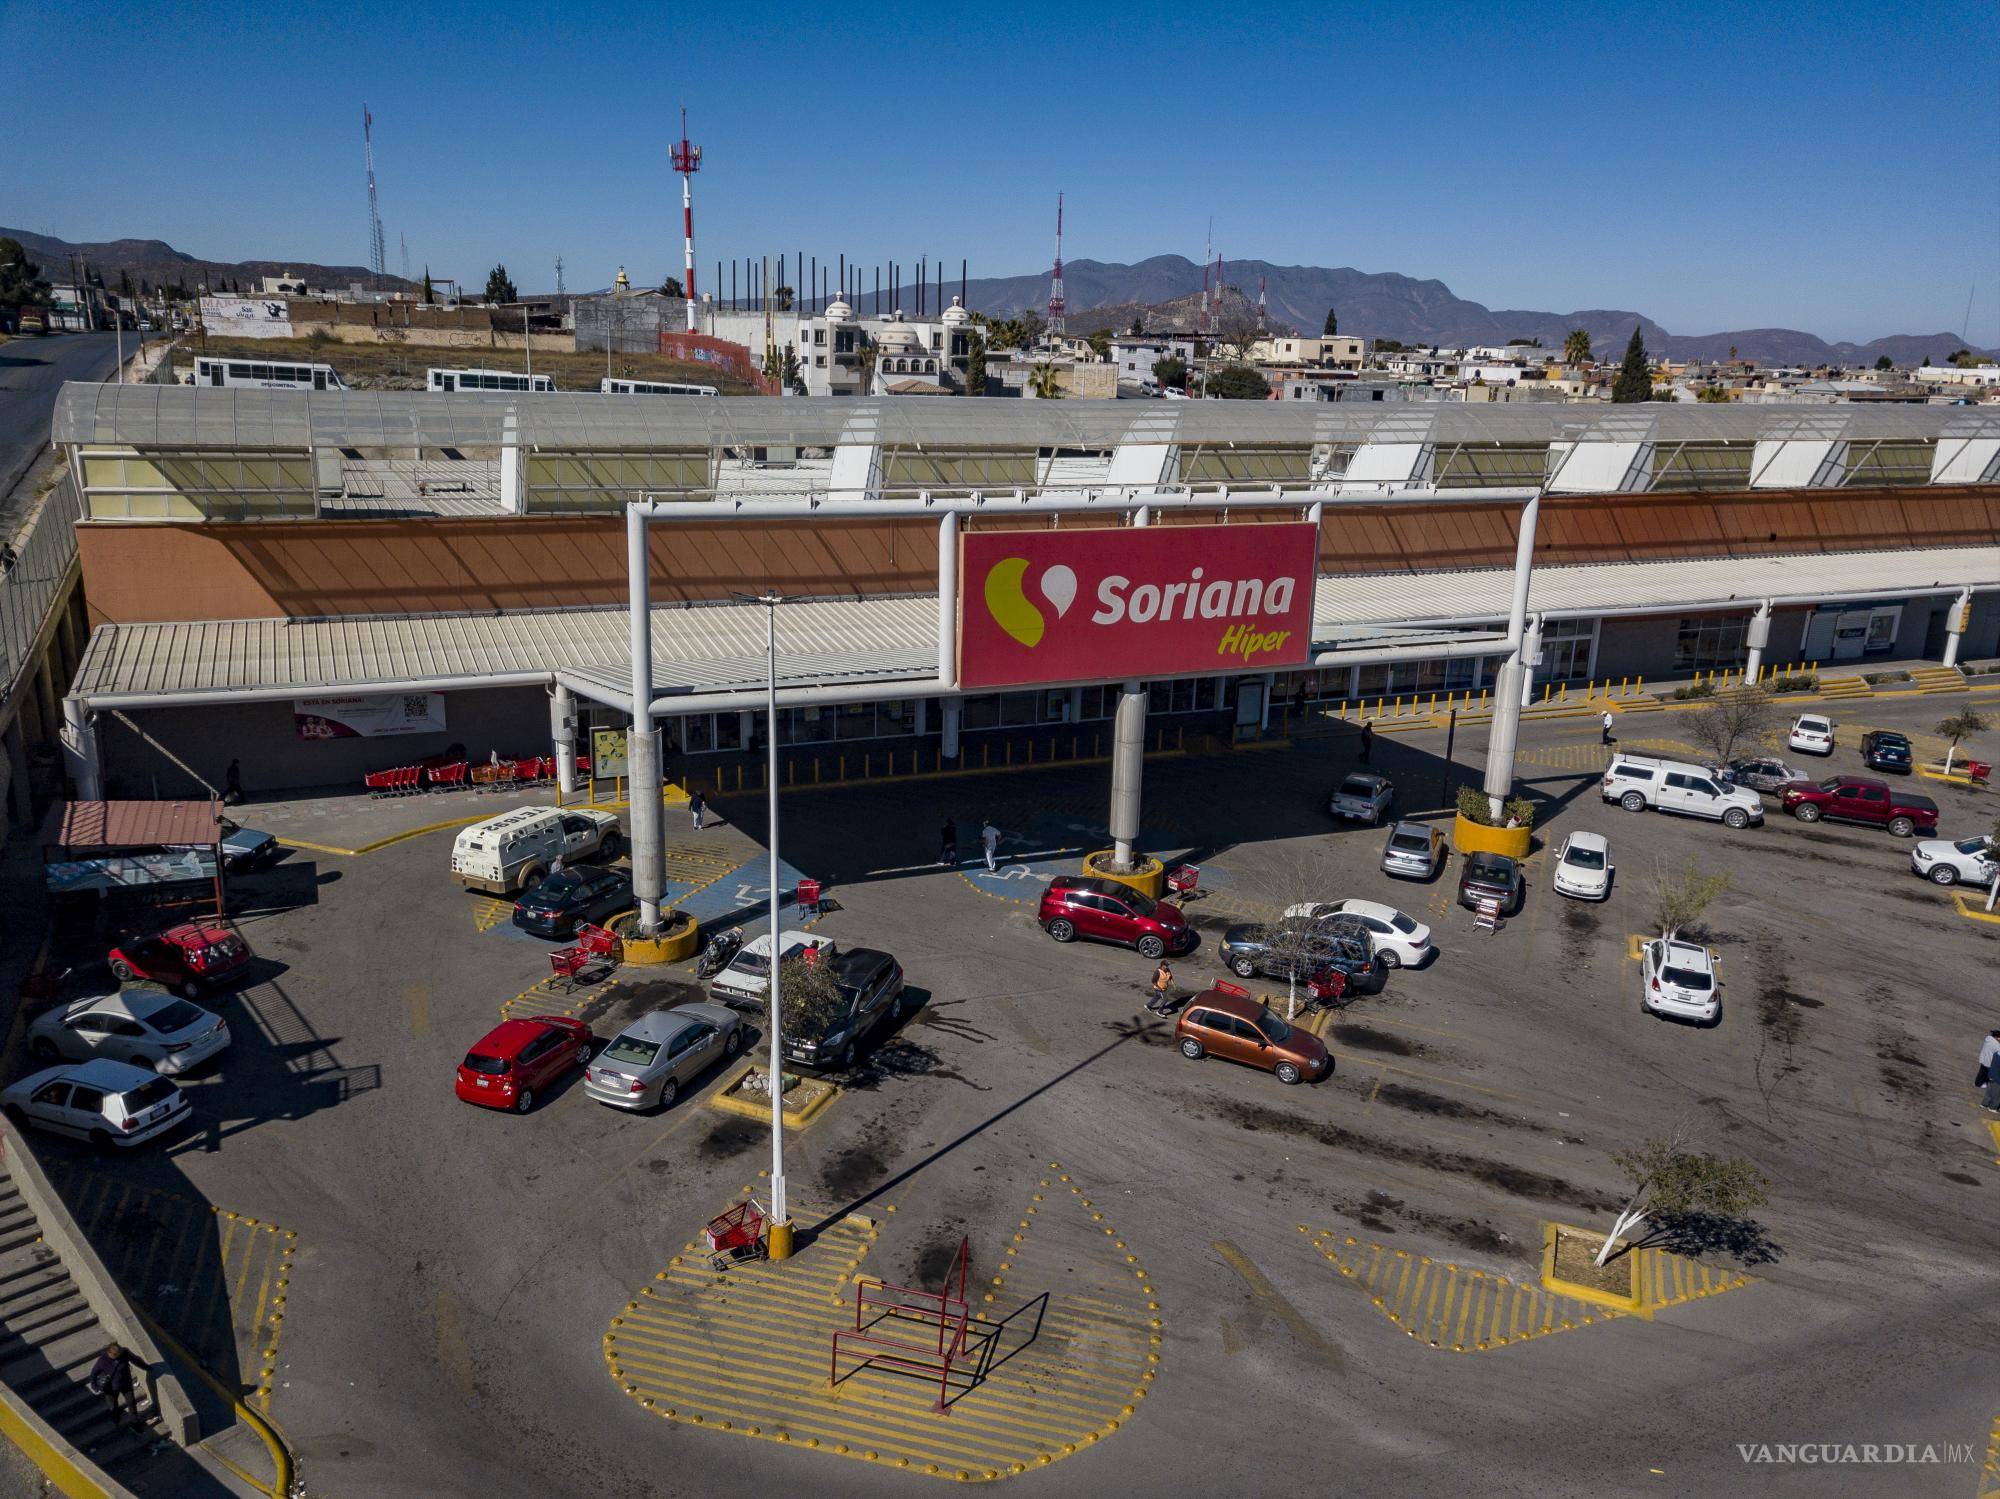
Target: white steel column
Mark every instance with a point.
(778, 1241)
(1531, 657)
(1128, 764)
(1756, 636)
(1507, 690)
(647, 827)
(1954, 625)
(79, 742)
(562, 729)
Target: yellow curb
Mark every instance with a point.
(761, 1112)
(1966, 910)
(1633, 944)
(1993, 1125)
(1637, 1304)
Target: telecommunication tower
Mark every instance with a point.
(559, 279)
(1263, 309)
(375, 251)
(687, 161)
(1058, 325)
(404, 241)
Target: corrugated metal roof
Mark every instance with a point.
(889, 640)
(199, 416)
(131, 824)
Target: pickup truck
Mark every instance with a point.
(1858, 799)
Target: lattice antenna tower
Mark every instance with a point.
(1058, 324)
(687, 161)
(376, 255)
(404, 240)
(559, 276)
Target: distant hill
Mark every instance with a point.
(1382, 304)
(159, 264)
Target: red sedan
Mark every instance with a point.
(507, 1065)
(183, 958)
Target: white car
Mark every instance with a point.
(1812, 734)
(142, 1025)
(1679, 980)
(1583, 866)
(1972, 860)
(747, 979)
(1399, 941)
(102, 1101)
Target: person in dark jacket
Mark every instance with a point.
(112, 1378)
(948, 843)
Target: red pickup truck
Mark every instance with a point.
(1858, 799)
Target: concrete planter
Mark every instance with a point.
(677, 939)
(1148, 878)
(1621, 1286)
(1476, 838)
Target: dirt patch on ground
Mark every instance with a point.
(1576, 1256)
(1962, 1179)
(730, 1137)
(1515, 1181)
(1363, 1039)
(1420, 1101)
(1382, 1214)
(856, 1171)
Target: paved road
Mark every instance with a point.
(456, 1271)
(32, 370)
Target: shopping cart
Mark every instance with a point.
(1185, 881)
(736, 1236)
(807, 897)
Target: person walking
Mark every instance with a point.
(111, 1377)
(1367, 741)
(696, 806)
(1606, 727)
(1988, 1076)
(1162, 1002)
(948, 843)
(989, 840)
(232, 784)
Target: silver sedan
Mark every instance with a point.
(661, 1052)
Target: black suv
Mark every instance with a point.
(1884, 749)
(871, 983)
(1307, 948)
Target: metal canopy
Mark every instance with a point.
(175, 416)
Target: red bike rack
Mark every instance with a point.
(941, 1324)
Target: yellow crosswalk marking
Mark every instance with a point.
(489, 911)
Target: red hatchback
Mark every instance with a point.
(1077, 906)
(516, 1057)
(183, 958)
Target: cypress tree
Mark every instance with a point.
(1635, 380)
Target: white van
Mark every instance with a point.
(514, 850)
(1636, 783)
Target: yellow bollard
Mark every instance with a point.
(1007, 753)
(1031, 752)
(1434, 704)
(1545, 692)
(985, 755)
(1096, 745)
(1482, 699)
(1180, 737)
(1642, 685)
(718, 778)
(843, 769)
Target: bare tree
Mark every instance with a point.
(1731, 721)
(1669, 1178)
(1304, 939)
(1679, 896)
(1235, 331)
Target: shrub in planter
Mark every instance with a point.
(1791, 681)
(1695, 690)
(1474, 808)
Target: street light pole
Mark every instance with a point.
(779, 1243)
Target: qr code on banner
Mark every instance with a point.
(416, 707)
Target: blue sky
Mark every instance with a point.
(1830, 167)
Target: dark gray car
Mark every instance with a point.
(1761, 773)
(660, 1053)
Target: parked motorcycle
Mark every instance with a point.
(716, 953)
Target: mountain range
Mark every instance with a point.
(1383, 304)
(158, 264)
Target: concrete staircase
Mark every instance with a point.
(1938, 679)
(1833, 689)
(49, 1338)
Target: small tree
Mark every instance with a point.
(1043, 383)
(783, 297)
(975, 366)
(1635, 379)
(1884, 362)
(1680, 895)
(1299, 945)
(1171, 372)
(430, 292)
(1238, 382)
(809, 997)
(671, 287)
(21, 280)
(1669, 1180)
(500, 286)
(1731, 720)
(1138, 328)
(1576, 346)
(1715, 395)
(1332, 325)
(1960, 725)
(1100, 343)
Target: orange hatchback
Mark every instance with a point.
(1226, 1022)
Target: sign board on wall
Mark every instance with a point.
(375, 716)
(607, 753)
(247, 317)
(1145, 601)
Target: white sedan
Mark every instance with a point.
(1399, 941)
(1969, 860)
(1812, 734)
(143, 1026)
(1583, 866)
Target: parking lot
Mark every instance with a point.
(1183, 1271)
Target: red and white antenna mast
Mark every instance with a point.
(687, 161)
(1207, 264)
(1057, 323)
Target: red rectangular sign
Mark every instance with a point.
(1138, 601)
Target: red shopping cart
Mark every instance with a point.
(736, 1236)
(1185, 881)
(807, 897)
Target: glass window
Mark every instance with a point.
(854, 721)
(1707, 641)
(1017, 709)
(981, 712)
(698, 733)
(1097, 702)
(897, 716)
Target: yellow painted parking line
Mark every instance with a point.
(1974, 913)
(216, 1279)
(1993, 1126)
(1989, 1468)
(489, 911)
(746, 1350)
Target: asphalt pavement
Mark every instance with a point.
(32, 371)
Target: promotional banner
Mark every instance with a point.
(1142, 601)
(370, 717)
(247, 317)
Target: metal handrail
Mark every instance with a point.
(37, 581)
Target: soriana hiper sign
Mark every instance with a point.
(1141, 601)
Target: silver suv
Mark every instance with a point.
(1415, 851)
